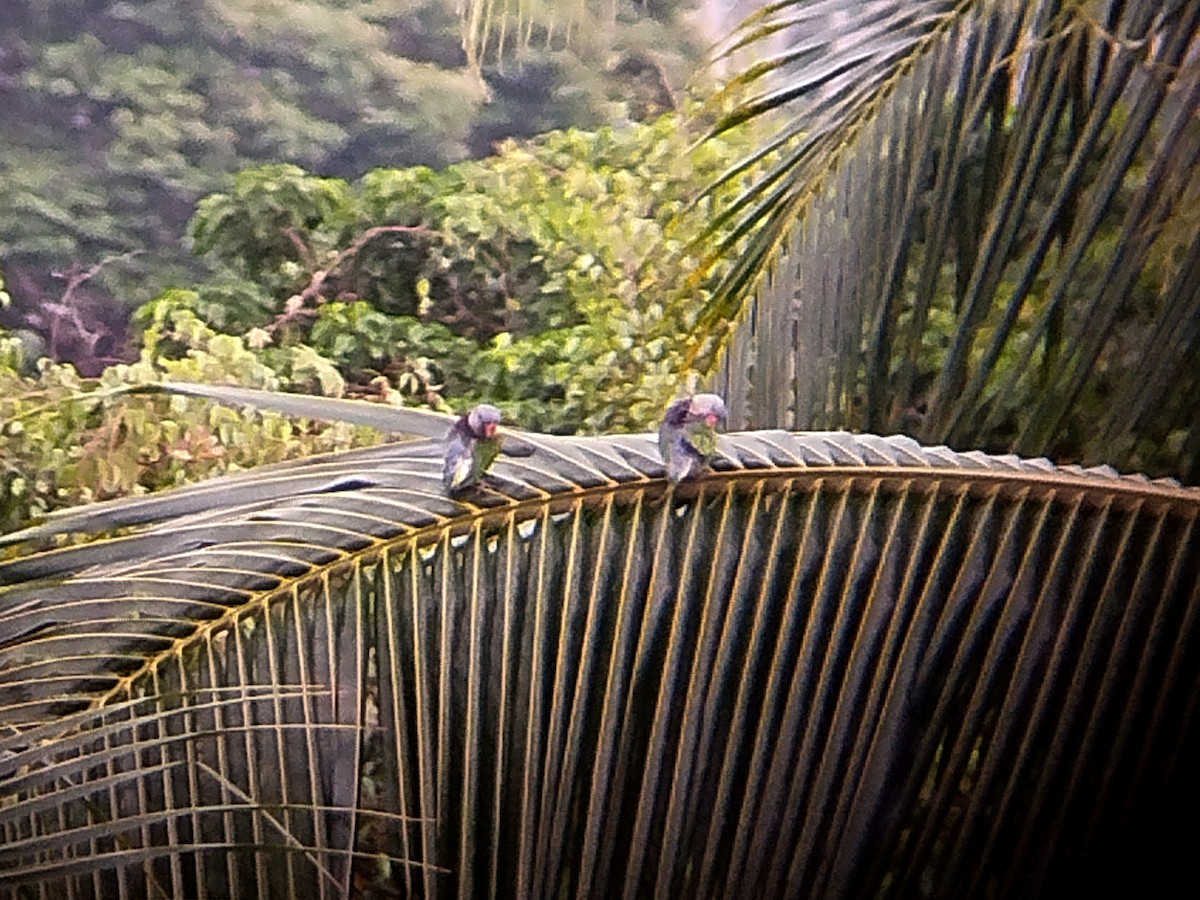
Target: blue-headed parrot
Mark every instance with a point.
(687, 438)
(471, 446)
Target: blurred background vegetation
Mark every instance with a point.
(567, 209)
(116, 118)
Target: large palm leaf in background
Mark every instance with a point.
(979, 226)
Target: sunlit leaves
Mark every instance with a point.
(548, 277)
(60, 445)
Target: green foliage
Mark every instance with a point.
(272, 213)
(1021, 352)
(548, 278)
(65, 441)
(417, 357)
(117, 117)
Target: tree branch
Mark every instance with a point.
(302, 303)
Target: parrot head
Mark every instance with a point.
(707, 408)
(482, 420)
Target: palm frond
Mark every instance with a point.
(836, 665)
(381, 416)
(973, 225)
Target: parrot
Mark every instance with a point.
(471, 446)
(687, 438)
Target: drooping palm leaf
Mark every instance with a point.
(384, 417)
(979, 228)
(837, 666)
(310, 475)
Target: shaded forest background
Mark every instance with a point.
(116, 118)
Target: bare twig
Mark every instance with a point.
(75, 278)
(64, 309)
(305, 251)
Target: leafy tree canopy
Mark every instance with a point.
(547, 278)
(115, 118)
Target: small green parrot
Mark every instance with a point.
(471, 446)
(687, 438)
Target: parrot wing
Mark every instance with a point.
(486, 452)
(459, 473)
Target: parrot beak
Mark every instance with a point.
(711, 420)
(489, 430)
